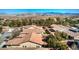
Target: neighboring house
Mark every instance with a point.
(5, 28)
(74, 29)
(8, 34)
(28, 38)
(65, 29)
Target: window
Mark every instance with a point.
(24, 46)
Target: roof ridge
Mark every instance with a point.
(30, 36)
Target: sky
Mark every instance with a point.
(16, 11)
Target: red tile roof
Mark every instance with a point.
(27, 35)
(37, 38)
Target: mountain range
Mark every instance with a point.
(46, 13)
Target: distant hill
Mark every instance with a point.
(40, 13)
(55, 13)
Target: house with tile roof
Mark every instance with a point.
(28, 38)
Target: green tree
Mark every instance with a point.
(0, 28)
(54, 41)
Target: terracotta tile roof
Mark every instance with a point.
(19, 39)
(27, 35)
(37, 38)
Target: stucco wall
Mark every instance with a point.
(26, 45)
(29, 45)
(13, 46)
